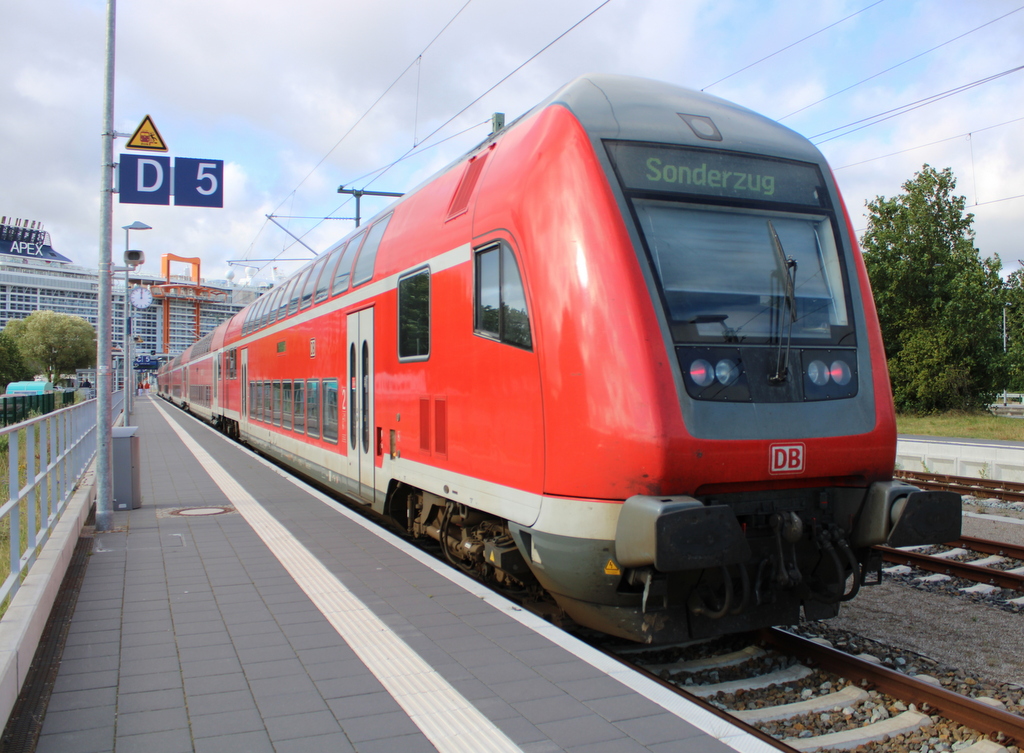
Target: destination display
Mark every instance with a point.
(705, 172)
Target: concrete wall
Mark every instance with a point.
(991, 459)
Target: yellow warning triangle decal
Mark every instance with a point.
(612, 569)
(147, 138)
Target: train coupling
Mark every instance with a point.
(898, 514)
(678, 533)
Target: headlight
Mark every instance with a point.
(727, 371)
(818, 373)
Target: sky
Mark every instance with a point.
(298, 98)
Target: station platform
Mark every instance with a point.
(239, 609)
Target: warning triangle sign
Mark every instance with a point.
(147, 138)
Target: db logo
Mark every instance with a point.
(786, 458)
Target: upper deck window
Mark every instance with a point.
(368, 254)
(307, 291)
(323, 286)
(282, 304)
(344, 271)
(414, 316)
(296, 291)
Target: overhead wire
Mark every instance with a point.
(500, 82)
(793, 44)
(894, 67)
(408, 153)
(381, 97)
(353, 127)
(930, 143)
(909, 107)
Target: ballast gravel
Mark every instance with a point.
(979, 635)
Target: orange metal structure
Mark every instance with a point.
(195, 291)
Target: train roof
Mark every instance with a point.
(638, 109)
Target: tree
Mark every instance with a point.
(54, 344)
(939, 303)
(1014, 312)
(12, 365)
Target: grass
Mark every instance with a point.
(978, 425)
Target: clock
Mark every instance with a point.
(141, 298)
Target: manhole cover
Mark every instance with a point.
(195, 511)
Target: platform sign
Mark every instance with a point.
(144, 180)
(149, 180)
(198, 182)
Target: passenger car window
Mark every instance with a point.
(300, 406)
(323, 286)
(282, 301)
(307, 291)
(341, 276)
(296, 291)
(313, 408)
(368, 254)
(331, 410)
(414, 316)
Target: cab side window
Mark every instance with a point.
(500, 299)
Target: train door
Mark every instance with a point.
(244, 387)
(359, 385)
(215, 405)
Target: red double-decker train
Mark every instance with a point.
(624, 350)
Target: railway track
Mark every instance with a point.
(1000, 565)
(822, 698)
(1007, 491)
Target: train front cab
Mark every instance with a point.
(762, 468)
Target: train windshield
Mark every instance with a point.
(742, 245)
(724, 278)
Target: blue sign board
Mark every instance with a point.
(147, 179)
(198, 182)
(146, 363)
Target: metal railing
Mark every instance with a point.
(42, 461)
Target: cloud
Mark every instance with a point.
(272, 89)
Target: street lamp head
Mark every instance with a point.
(137, 226)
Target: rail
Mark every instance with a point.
(959, 708)
(972, 571)
(42, 461)
(1008, 491)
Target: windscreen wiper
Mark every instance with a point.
(787, 277)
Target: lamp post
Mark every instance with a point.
(1004, 349)
(128, 390)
